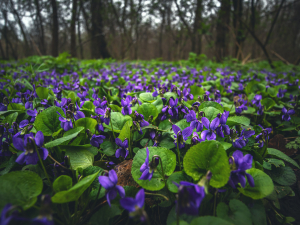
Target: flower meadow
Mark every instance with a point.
(105, 142)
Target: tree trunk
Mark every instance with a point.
(98, 43)
(41, 27)
(79, 38)
(222, 30)
(252, 22)
(73, 29)
(238, 28)
(2, 51)
(196, 40)
(55, 38)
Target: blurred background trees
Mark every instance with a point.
(147, 29)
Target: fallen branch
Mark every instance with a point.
(280, 57)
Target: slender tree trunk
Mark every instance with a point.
(196, 40)
(41, 27)
(98, 43)
(79, 38)
(160, 48)
(73, 29)
(55, 38)
(252, 22)
(222, 30)
(2, 51)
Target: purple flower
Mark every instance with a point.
(110, 184)
(126, 110)
(97, 140)
(78, 114)
(223, 128)
(105, 114)
(263, 136)
(33, 114)
(189, 197)
(256, 100)
(185, 94)
(281, 93)
(147, 169)
(191, 117)
(196, 139)
(242, 140)
(8, 215)
(181, 136)
(260, 111)
(240, 164)
(29, 147)
(135, 205)
(171, 108)
(287, 114)
(123, 151)
(65, 123)
(142, 122)
(210, 133)
(23, 123)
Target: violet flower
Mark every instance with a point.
(33, 114)
(171, 108)
(256, 100)
(287, 114)
(123, 151)
(65, 123)
(29, 147)
(240, 164)
(223, 128)
(106, 114)
(263, 136)
(210, 133)
(147, 169)
(181, 136)
(191, 117)
(8, 215)
(135, 205)
(196, 139)
(97, 140)
(126, 110)
(189, 197)
(110, 184)
(281, 93)
(242, 140)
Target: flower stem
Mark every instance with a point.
(155, 194)
(112, 128)
(41, 161)
(178, 153)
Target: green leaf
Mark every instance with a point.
(158, 104)
(263, 185)
(10, 165)
(108, 148)
(276, 162)
(283, 175)
(210, 220)
(237, 212)
(118, 121)
(115, 108)
(168, 159)
(147, 110)
(74, 192)
(11, 118)
(62, 183)
(254, 86)
(70, 134)
(226, 145)
(281, 155)
(272, 91)
(176, 177)
(8, 112)
(205, 156)
(89, 106)
(268, 103)
(196, 91)
(47, 121)
(182, 124)
(211, 109)
(72, 96)
(168, 95)
(16, 106)
(125, 132)
(258, 213)
(147, 97)
(80, 158)
(238, 120)
(42, 92)
(103, 215)
(87, 123)
(20, 188)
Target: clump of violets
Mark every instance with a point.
(110, 184)
(195, 123)
(30, 145)
(171, 108)
(189, 197)
(147, 169)
(123, 150)
(223, 128)
(135, 206)
(181, 136)
(263, 136)
(239, 164)
(286, 114)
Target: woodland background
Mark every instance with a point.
(249, 30)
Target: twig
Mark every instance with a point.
(280, 57)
